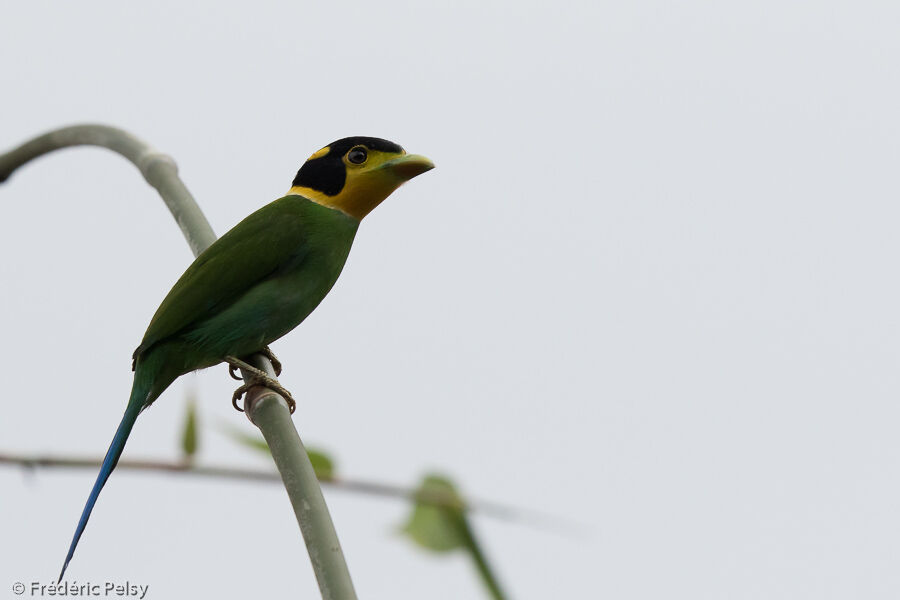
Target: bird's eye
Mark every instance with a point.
(357, 155)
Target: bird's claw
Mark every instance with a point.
(257, 377)
(233, 371)
(276, 364)
(237, 397)
(272, 385)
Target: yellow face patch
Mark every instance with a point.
(320, 153)
(366, 186)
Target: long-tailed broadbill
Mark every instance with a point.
(261, 279)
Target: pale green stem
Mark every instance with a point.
(488, 578)
(269, 411)
(276, 425)
(157, 168)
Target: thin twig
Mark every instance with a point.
(358, 486)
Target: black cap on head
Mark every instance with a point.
(327, 173)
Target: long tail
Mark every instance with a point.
(139, 396)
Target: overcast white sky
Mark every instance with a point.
(651, 287)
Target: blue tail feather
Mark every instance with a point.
(135, 404)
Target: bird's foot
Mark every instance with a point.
(276, 364)
(257, 377)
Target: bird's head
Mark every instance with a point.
(355, 174)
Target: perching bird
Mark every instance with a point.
(261, 279)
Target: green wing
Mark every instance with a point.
(267, 241)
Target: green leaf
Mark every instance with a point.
(322, 463)
(437, 521)
(189, 435)
(440, 524)
(255, 442)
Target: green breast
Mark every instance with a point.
(255, 283)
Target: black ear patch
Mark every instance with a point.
(327, 174)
